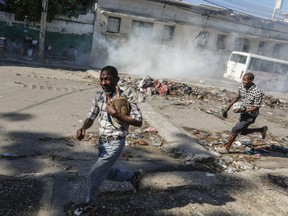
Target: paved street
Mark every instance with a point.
(40, 111)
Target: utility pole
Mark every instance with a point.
(42, 29)
(277, 6)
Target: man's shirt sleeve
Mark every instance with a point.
(258, 98)
(239, 93)
(94, 111)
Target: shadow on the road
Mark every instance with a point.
(27, 161)
(46, 146)
(14, 116)
(154, 202)
(58, 152)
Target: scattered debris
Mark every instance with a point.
(156, 141)
(244, 150)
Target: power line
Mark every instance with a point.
(234, 7)
(201, 11)
(249, 7)
(254, 8)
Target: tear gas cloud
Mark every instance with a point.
(143, 56)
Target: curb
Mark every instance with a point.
(46, 200)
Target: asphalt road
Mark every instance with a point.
(43, 167)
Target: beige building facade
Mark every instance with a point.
(174, 23)
(112, 24)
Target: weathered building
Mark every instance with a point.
(175, 23)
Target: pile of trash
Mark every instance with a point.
(170, 88)
(244, 151)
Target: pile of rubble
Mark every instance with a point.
(165, 87)
(245, 150)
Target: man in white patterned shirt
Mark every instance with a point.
(251, 97)
(111, 141)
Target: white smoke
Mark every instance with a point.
(143, 56)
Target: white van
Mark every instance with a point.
(270, 74)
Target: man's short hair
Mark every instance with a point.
(250, 76)
(112, 70)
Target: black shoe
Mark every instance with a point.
(264, 132)
(136, 180)
(84, 209)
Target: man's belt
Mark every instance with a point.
(110, 138)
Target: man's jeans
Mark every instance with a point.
(103, 168)
(241, 127)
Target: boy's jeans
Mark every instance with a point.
(103, 168)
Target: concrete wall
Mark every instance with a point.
(61, 33)
(81, 25)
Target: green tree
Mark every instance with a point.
(30, 10)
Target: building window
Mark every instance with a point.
(203, 38)
(221, 41)
(246, 45)
(113, 24)
(142, 28)
(260, 49)
(168, 33)
(238, 44)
